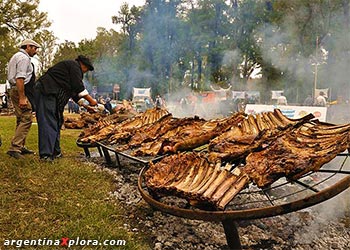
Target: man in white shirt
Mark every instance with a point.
(321, 100)
(282, 100)
(21, 75)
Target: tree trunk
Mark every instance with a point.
(345, 4)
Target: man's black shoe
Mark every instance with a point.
(46, 158)
(25, 151)
(15, 154)
(60, 155)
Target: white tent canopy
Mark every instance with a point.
(276, 93)
(145, 92)
(238, 94)
(141, 93)
(242, 94)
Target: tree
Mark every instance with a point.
(109, 59)
(46, 54)
(214, 24)
(18, 20)
(128, 18)
(305, 29)
(66, 50)
(247, 18)
(127, 47)
(22, 18)
(159, 43)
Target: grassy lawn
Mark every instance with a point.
(67, 198)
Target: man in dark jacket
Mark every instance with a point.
(52, 91)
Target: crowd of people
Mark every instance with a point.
(320, 100)
(191, 103)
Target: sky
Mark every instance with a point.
(75, 20)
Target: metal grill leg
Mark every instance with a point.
(107, 156)
(100, 151)
(87, 152)
(117, 161)
(232, 236)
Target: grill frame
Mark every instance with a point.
(106, 149)
(228, 218)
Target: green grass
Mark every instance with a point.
(67, 198)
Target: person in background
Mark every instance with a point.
(183, 103)
(76, 108)
(282, 100)
(159, 102)
(62, 81)
(148, 103)
(70, 105)
(21, 76)
(246, 99)
(108, 105)
(101, 100)
(237, 104)
(321, 100)
(308, 101)
(253, 99)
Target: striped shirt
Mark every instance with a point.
(19, 66)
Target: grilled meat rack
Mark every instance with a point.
(280, 198)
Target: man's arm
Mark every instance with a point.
(91, 100)
(23, 102)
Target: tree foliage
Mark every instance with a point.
(19, 20)
(170, 45)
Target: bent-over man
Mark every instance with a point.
(61, 82)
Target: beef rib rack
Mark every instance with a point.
(252, 133)
(298, 152)
(295, 149)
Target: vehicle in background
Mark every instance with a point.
(141, 99)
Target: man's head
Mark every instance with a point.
(321, 93)
(85, 63)
(30, 46)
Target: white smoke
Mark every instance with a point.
(278, 47)
(329, 211)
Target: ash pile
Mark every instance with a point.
(325, 226)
